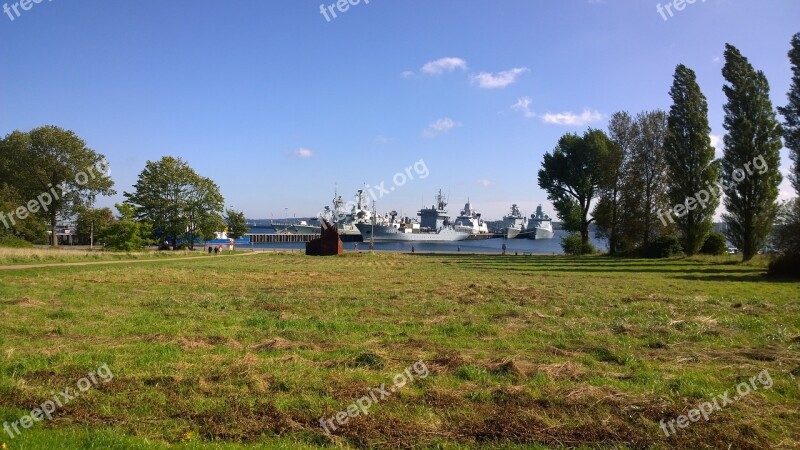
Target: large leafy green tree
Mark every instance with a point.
(236, 223)
(204, 209)
(127, 233)
(644, 189)
(753, 139)
(91, 222)
(55, 172)
(178, 202)
(690, 160)
(572, 175)
(608, 210)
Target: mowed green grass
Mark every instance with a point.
(66, 254)
(522, 352)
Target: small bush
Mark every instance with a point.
(14, 242)
(715, 244)
(664, 247)
(573, 245)
(785, 266)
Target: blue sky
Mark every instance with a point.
(278, 105)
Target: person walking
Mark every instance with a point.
(504, 249)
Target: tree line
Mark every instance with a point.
(49, 174)
(651, 183)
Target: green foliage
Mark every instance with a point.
(32, 228)
(236, 223)
(785, 266)
(791, 114)
(572, 244)
(55, 166)
(572, 175)
(715, 244)
(127, 233)
(171, 196)
(690, 159)
(90, 220)
(666, 246)
(633, 181)
(753, 133)
(786, 234)
(14, 242)
(607, 212)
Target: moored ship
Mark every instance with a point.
(434, 226)
(540, 225)
(514, 223)
(470, 221)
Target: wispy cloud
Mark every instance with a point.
(523, 105)
(572, 119)
(499, 80)
(303, 153)
(440, 126)
(380, 139)
(485, 182)
(443, 65)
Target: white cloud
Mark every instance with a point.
(408, 74)
(443, 65)
(571, 119)
(523, 105)
(440, 126)
(303, 153)
(487, 80)
(718, 144)
(485, 182)
(382, 139)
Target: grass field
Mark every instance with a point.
(519, 352)
(23, 256)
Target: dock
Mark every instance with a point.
(281, 238)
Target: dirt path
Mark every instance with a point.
(125, 261)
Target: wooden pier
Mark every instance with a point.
(281, 238)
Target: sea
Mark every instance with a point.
(518, 246)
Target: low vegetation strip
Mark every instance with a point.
(522, 352)
(11, 259)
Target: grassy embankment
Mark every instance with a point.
(45, 255)
(522, 351)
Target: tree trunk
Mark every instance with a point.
(53, 230)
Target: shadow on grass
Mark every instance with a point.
(679, 268)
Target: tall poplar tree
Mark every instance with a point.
(753, 135)
(690, 159)
(791, 114)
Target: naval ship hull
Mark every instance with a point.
(511, 233)
(385, 233)
(540, 233)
